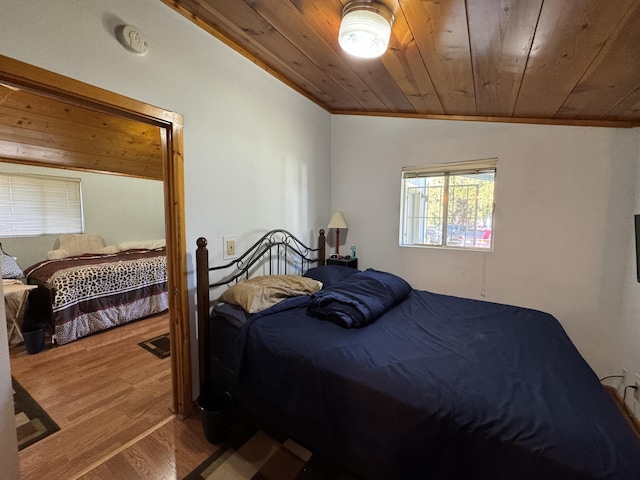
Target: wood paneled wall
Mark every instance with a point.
(60, 134)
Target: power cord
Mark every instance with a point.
(624, 393)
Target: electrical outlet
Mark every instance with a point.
(228, 247)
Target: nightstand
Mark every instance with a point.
(345, 262)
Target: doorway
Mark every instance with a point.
(168, 166)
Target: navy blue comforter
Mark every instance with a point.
(438, 387)
(359, 299)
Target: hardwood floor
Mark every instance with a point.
(170, 452)
(111, 399)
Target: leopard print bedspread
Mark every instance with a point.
(96, 292)
(78, 284)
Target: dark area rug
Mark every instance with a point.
(32, 422)
(159, 346)
(255, 452)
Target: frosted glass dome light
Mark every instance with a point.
(365, 29)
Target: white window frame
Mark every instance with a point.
(441, 238)
(32, 205)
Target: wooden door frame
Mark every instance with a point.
(52, 85)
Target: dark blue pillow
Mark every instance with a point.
(233, 314)
(330, 274)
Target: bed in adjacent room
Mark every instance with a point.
(85, 287)
(394, 382)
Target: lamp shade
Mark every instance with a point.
(337, 221)
(365, 29)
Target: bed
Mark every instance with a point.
(394, 382)
(81, 294)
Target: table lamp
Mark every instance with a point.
(337, 221)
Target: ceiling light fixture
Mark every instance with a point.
(365, 29)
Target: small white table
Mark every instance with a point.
(15, 302)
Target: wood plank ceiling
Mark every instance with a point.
(40, 130)
(537, 61)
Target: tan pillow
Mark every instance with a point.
(62, 253)
(260, 293)
(81, 243)
(58, 254)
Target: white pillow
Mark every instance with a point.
(148, 244)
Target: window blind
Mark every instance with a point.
(33, 205)
(459, 168)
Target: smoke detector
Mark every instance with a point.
(133, 39)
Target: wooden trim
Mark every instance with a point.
(173, 166)
(624, 408)
(57, 158)
(52, 85)
(479, 118)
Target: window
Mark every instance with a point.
(34, 205)
(448, 205)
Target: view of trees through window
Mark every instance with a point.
(448, 209)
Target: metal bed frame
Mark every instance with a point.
(278, 252)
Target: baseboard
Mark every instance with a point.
(624, 408)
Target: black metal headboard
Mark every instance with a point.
(277, 251)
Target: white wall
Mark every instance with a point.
(120, 209)
(256, 152)
(8, 439)
(564, 198)
(629, 340)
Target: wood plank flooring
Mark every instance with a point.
(111, 399)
